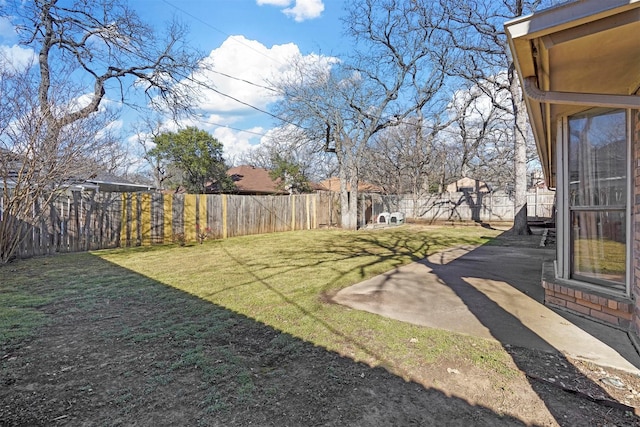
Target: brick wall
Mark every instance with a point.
(604, 308)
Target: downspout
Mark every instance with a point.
(532, 91)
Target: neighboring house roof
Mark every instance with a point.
(121, 187)
(253, 180)
(466, 183)
(333, 184)
(98, 182)
(582, 53)
(111, 183)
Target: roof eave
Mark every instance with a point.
(529, 39)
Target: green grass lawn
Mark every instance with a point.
(600, 257)
(283, 280)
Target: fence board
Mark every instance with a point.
(225, 215)
(75, 221)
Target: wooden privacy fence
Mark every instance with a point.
(76, 221)
(87, 220)
(162, 218)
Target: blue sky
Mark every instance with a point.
(250, 40)
(246, 39)
(212, 21)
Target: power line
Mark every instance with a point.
(218, 30)
(243, 80)
(231, 127)
(230, 76)
(206, 86)
(207, 24)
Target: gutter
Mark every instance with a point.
(531, 90)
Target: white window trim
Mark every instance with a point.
(562, 247)
(563, 250)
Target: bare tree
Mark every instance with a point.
(289, 143)
(406, 159)
(480, 136)
(32, 172)
(477, 32)
(54, 114)
(396, 70)
(146, 130)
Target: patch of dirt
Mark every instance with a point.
(140, 360)
(613, 391)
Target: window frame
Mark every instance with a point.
(565, 256)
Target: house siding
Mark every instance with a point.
(635, 249)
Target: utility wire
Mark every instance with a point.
(243, 80)
(218, 30)
(230, 76)
(211, 88)
(207, 24)
(230, 127)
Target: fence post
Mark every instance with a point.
(145, 219)
(76, 222)
(315, 210)
(125, 222)
(202, 212)
(362, 212)
(224, 216)
(308, 212)
(135, 212)
(167, 218)
(293, 212)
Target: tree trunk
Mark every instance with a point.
(348, 201)
(353, 202)
(520, 224)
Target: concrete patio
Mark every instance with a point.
(494, 292)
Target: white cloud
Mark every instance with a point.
(301, 11)
(239, 71)
(305, 9)
(110, 129)
(235, 144)
(85, 99)
(16, 58)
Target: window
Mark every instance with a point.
(597, 191)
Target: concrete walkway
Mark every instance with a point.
(494, 292)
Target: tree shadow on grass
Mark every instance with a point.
(122, 349)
